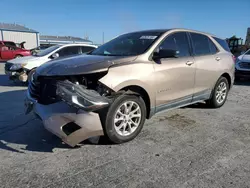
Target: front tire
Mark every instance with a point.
(220, 92)
(124, 119)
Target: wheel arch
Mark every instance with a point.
(228, 77)
(18, 55)
(138, 90)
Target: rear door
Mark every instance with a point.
(174, 76)
(206, 58)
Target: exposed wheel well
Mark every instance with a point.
(227, 76)
(143, 93)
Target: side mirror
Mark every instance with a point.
(55, 55)
(165, 53)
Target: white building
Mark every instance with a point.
(18, 33)
(48, 40)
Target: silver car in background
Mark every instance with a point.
(242, 66)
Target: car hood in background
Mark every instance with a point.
(25, 59)
(82, 64)
(244, 58)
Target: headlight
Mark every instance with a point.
(237, 60)
(17, 66)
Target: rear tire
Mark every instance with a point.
(219, 94)
(124, 118)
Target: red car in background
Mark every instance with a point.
(9, 50)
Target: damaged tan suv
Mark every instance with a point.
(114, 88)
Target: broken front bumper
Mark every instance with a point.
(73, 119)
(71, 125)
(13, 75)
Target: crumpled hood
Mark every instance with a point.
(25, 59)
(81, 64)
(244, 58)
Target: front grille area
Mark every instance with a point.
(244, 65)
(43, 89)
(245, 73)
(7, 66)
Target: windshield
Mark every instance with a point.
(47, 50)
(10, 44)
(128, 44)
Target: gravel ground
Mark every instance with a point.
(188, 147)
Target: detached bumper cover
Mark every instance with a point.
(80, 97)
(18, 74)
(59, 115)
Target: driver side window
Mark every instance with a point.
(178, 42)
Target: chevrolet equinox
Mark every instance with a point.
(112, 90)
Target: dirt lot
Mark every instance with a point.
(189, 147)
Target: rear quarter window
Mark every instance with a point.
(223, 44)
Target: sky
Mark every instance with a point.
(79, 18)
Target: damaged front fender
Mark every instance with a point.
(80, 97)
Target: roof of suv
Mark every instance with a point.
(174, 29)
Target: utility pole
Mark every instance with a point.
(102, 37)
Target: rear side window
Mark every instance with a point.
(213, 48)
(178, 42)
(86, 49)
(223, 43)
(71, 50)
(202, 44)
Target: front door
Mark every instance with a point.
(174, 77)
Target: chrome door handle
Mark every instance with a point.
(217, 58)
(189, 63)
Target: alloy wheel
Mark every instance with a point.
(221, 92)
(127, 118)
